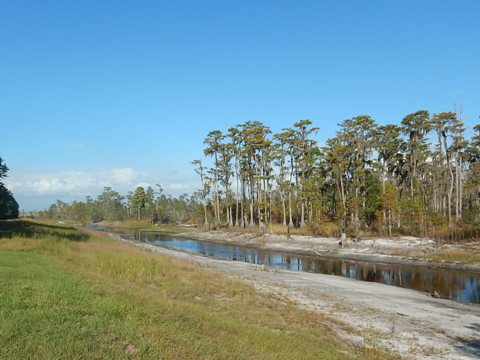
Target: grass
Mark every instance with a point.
(100, 299)
(277, 229)
(468, 253)
(146, 226)
(466, 256)
(48, 312)
(169, 228)
(30, 229)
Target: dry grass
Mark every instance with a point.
(467, 256)
(327, 229)
(142, 305)
(146, 226)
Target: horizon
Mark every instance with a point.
(123, 95)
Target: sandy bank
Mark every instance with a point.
(402, 321)
(403, 250)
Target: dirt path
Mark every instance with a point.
(402, 321)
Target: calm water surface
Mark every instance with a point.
(461, 286)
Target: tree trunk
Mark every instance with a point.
(290, 220)
(270, 213)
(238, 190)
(252, 223)
(449, 196)
(389, 223)
(310, 212)
(344, 207)
(217, 200)
(383, 196)
(460, 207)
(206, 217)
(302, 221)
(457, 202)
(242, 206)
(284, 210)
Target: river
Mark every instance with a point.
(457, 285)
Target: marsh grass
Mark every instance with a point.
(147, 226)
(468, 253)
(104, 300)
(460, 256)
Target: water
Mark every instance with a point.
(461, 286)
(96, 227)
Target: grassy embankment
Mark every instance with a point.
(70, 294)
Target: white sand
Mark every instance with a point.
(402, 321)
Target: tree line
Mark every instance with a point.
(8, 204)
(142, 204)
(420, 177)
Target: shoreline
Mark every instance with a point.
(402, 321)
(264, 242)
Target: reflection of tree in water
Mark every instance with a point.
(471, 290)
(456, 285)
(370, 275)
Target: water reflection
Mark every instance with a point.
(451, 284)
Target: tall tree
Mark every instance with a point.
(3, 170)
(416, 127)
(256, 144)
(304, 147)
(111, 204)
(213, 143)
(225, 167)
(473, 175)
(458, 149)
(8, 204)
(200, 170)
(336, 155)
(139, 200)
(358, 135)
(442, 124)
(236, 142)
(282, 180)
(388, 145)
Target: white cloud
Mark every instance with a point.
(179, 186)
(32, 189)
(124, 176)
(70, 182)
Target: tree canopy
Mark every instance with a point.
(8, 204)
(421, 177)
(414, 178)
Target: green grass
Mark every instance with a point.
(100, 299)
(47, 313)
(30, 229)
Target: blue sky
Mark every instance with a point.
(121, 93)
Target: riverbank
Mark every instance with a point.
(93, 297)
(404, 322)
(403, 250)
(406, 250)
